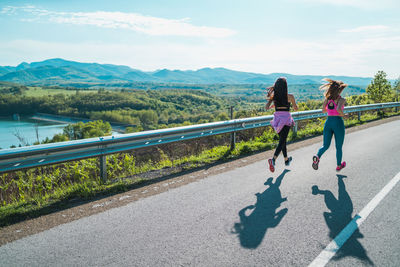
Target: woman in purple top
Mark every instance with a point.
(279, 98)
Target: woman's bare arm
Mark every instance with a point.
(293, 101)
(268, 105)
(324, 105)
(340, 105)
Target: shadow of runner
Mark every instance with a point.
(252, 228)
(340, 215)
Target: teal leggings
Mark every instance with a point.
(333, 125)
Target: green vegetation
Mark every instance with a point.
(254, 93)
(148, 105)
(380, 89)
(45, 91)
(81, 130)
(396, 88)
(12, 88)
(142, 109)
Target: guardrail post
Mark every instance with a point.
(359, 115)
(233, 134)
(103, 168)
(295, 129)
(381, 113)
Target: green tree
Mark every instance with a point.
(90, 129)
(222, 116)
(59, 138)
(148, 118)
(56, 138)
(380, 89)
(163, 118)
(96, 129)
(396, 88)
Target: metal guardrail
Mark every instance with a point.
(40, 155)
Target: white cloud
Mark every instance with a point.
(363, 4)
(371, 28)
(120, 20)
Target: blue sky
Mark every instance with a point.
(321, 37)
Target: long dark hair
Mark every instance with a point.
(333, 88)
(280, 93)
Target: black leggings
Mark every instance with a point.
(282, 141)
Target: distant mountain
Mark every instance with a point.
(58, 71)
(137, 76)
(49, 74)
(6, 69)
(94, 68)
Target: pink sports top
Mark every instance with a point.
(331, 108)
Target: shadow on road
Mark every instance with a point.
(252, 228)
(340, 215)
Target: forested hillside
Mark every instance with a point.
(144, 109)
(251, 92)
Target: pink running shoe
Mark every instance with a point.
(338, 168)
(271, 163)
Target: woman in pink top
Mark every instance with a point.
(334, 124)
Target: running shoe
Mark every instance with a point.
(271, 163)
(287, 162)
(315, 162)
(338, 168)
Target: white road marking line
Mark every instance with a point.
(323, 258)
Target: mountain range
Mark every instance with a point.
(58, 71)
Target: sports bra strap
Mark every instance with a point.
(331, 104)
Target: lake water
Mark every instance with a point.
(26, 129)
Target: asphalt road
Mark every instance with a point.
(243, 217)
